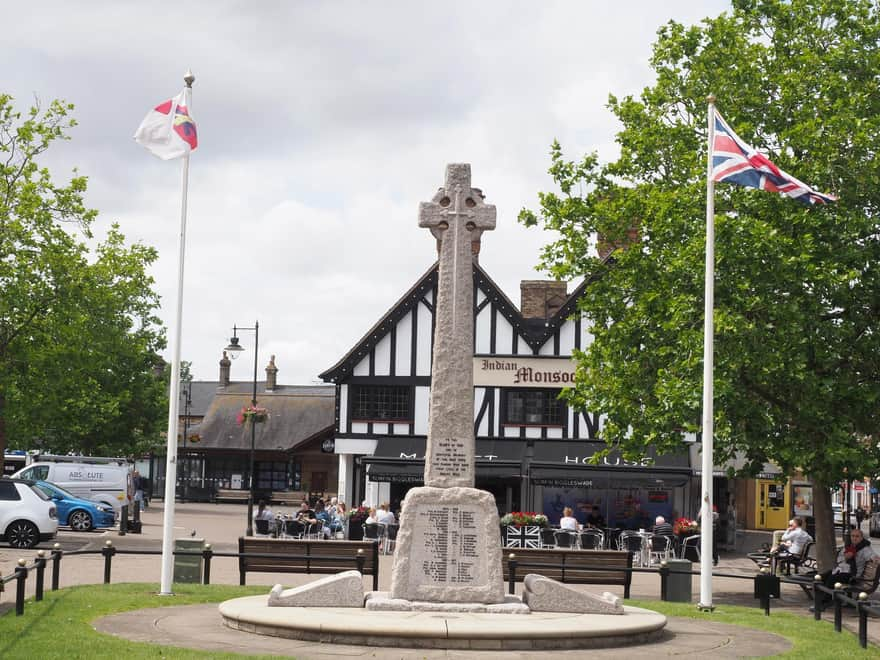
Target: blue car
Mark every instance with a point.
(78, 514)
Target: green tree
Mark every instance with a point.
(797, 289)
(78, 331)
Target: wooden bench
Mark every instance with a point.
(305, 556)
(573, 566)
(230, 495)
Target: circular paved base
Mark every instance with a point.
(201, 627)
(443, 630)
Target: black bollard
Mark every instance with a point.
(863, 620)
(838, 607)
(56, 565)
(207, 553)
(108, 551)
(511, 573)
(818, 597)
(20, 576)
(664, 578)
(123, 520)
(360, 559)
(40, 564)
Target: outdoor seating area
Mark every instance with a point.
(646, 548)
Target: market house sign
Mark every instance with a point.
(516, 371)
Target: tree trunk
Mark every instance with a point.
(826, 541)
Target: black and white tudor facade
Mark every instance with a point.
(533, 451)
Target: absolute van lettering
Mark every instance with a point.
(86, 476)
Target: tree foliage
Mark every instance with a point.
(78, 331)
(797, 289)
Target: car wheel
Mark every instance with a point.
(22, 534)
(80, 521)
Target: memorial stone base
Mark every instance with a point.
(448, 547)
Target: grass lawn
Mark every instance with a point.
(60, 625)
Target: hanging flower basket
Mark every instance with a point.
(253, 414)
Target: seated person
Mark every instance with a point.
(263, 512)
(567, 521)
(595, 519)
(384, 516)
(305, 515)
(324, 520)
(851, 563)
(662, 527)
(793, 539)
(371, 517)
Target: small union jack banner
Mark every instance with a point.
(527, 536)
(734, 161)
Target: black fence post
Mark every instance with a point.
(207, 553)
(511, 573)
(360, 559)
(766, 586)
(40, 564)
(818, 597)
(375, 567)
(664, 580)
(123, 520)
(56, 565)
(838, 607)
(863, 619)
(21, 572)
(108, 551)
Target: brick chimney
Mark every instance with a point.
(541, 299)
(605, 247)
(225, 363)
(271, 375)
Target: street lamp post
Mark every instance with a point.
(186, 395)
(233, 350)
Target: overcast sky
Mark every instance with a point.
(321, 128)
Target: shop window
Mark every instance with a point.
(533, 407)
(382, 403)
(271, 475)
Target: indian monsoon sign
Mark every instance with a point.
(515, 371)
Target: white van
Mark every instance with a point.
(108, 483)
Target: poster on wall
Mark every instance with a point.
(803, 500)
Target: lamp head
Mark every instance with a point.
(234, 348)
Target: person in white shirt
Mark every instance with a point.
(793, 539)
(384, 516)
(568, 521)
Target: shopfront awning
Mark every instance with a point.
(570, 465)
(402, 459)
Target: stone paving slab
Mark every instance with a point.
(201, 627)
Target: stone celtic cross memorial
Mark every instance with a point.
(449, 544)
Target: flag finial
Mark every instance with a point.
(710, 98)
(189, 78)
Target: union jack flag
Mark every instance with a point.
(736, 162)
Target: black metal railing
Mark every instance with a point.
(766, 584)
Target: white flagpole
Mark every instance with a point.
(706, 530)
(174, 386)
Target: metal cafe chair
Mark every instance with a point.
(633, 542)
(661, 547)
(371, 532)
(261, 528)
(565, 539)
(548, 538)
(592, 539)
(293, 529)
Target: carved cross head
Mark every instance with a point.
(457, 202)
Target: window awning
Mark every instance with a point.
(583, 477)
